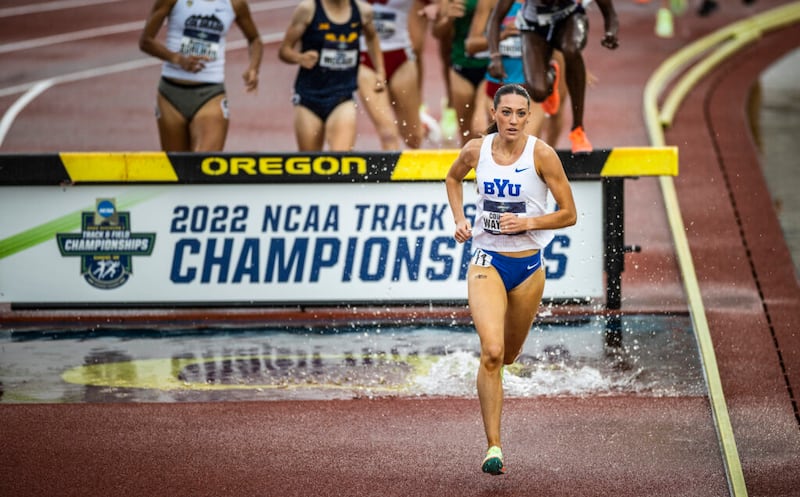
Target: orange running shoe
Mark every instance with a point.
(580, 144)
(553, 101)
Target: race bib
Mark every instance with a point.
(200, 43)
(493, 210)
(481, 258)
(338, 60)
(511, 47)
(385, 24)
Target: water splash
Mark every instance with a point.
(649, 355)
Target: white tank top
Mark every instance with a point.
(391, 23)
(514, 188)
(199, 27)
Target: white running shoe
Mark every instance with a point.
(433, 132)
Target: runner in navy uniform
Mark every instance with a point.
(327, 32)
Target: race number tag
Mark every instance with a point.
(200, 43)
(385, 24)
(338, 60)
(493, 210)
(511, 47)
(481, 258)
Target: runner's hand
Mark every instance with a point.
(610, 40)
(463, 232)
(430, 12)
(193, 63)
(308, 59)
(496, 69)
(511, 223)
(380, 81)
(455, 8)
(250, 77)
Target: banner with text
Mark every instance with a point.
(260, 243)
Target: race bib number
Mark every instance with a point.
(338, 60)
(511, 47)
(481, 258)
(385, 24)
(199, 43)
(493, 210)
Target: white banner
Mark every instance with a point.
(290, 243)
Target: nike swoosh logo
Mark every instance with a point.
(531, 267)
(518, 170)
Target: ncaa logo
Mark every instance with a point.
(105, 212)
(106, 245)
(105, 208)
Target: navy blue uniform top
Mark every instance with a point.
(336, 72)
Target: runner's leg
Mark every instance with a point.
(487, 302)
(340, 128)
(309, 130)
(172, 127)
(209, 126)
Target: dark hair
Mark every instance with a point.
(510, 89)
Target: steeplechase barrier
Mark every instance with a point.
(154, 229)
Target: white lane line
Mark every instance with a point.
(74, 36)
(32, 90)
(272, 5)
(80, 75)
(122, 66)
(49, 6)
(127, 27)
(16, 108)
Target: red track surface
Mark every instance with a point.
(625, 446)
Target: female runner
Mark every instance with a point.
(514, 173)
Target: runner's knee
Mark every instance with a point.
(572, 54)
(539, 92)
(492, 356)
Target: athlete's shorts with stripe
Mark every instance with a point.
(188, 99)
(512, 270)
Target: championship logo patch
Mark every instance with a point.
(106, 245)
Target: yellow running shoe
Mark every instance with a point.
(449, 125)
(493, 462)
(664, 27)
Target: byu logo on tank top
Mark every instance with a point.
(501, 187)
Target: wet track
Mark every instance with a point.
(74, 80)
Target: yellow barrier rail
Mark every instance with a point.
(75, 168)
